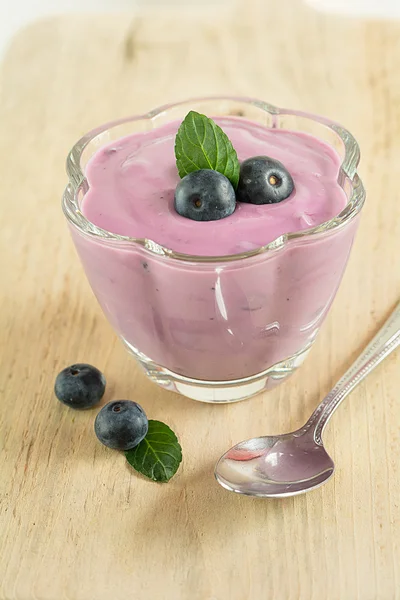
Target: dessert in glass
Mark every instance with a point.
(221, 309)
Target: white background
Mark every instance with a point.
(14, 14)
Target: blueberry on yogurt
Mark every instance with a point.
(263, 180)
(205, 195)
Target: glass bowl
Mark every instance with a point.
(222, 328)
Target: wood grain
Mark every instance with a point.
(75, 522)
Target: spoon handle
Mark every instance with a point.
(385, 341)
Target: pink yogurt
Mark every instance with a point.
(220, 320)
(132, 185)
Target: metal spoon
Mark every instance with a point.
(293, 463)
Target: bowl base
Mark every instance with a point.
(219, 392)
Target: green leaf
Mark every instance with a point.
(201, 144)
(159, 455)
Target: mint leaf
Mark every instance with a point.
(201, 144)
(159, 455)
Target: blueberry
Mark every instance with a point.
(80, 386)
(121, 424)
(263, 180)
(205, 195)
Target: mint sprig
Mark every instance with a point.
(159, 455)
(201, 144)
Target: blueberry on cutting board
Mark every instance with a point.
(263, 180)
(80, 386)
(121, 425)
(205, 195)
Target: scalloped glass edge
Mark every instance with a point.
(347, 171)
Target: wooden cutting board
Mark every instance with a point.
(76, 522)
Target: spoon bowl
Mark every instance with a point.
(283, 465)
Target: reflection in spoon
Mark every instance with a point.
(281, 462)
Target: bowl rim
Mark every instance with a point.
(78, 181)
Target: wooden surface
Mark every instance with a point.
(76, 523)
